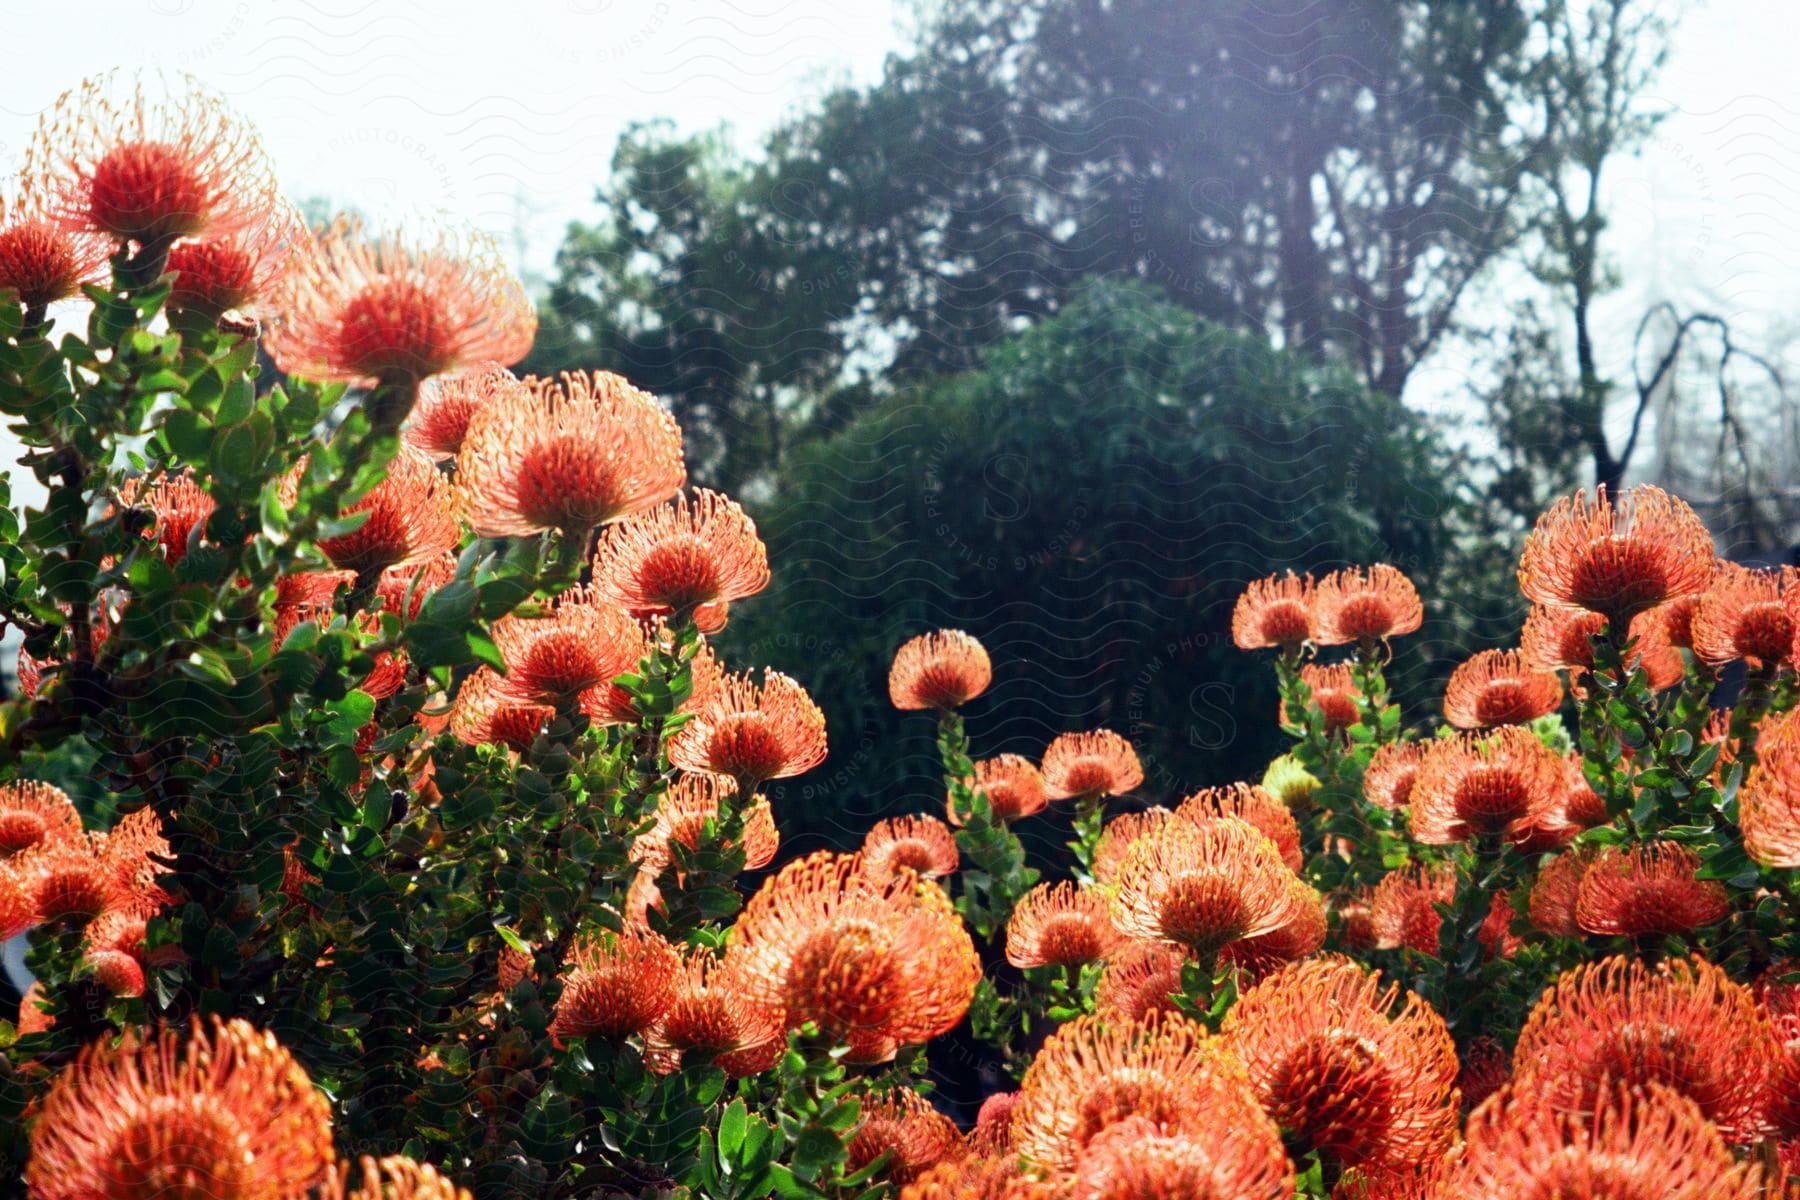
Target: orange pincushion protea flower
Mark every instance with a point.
(412, 519)
(1059, 925)
(1554, 893)
(685, 808)
(714, 1017)
(673, 559)
(1332, 693)
(1140, 980)
(567, 454)
(1203, 886)
(752, 734)
(993, 1124)
(399, 307)
(223, 1111)
(922, 845)
(485, 714)
(1485, 784)
(34, 816)
(942, 670)
(1746, 614)
(904, 1126)
(1302, 934)
(1682, 1023)
(616, 985)
(179, 505)
(1086, 765)
(1647, 891)
(1495, 933)
(1496, 687)
(238, 271)
(1485, 1070)
(1780, 1000)
(571, 656)
(1639, 1144)
(75, 880)
(1137, 1159)
(392, 1178)
(1274, 612)
(1677, 619)
(1578, 807)
(1252, 804)
(875, 965)
(1353, 606)
(404, 589)
(1616, 556)
(1559, 639)
(1769, 802)
(148, 160)
(40, 260)
(1346, 1067)
(1392, 772)
(1095, 1072)
(1403, 907)
(1013, 785)
(1117, 838)
(978, 1176)
(439, 420)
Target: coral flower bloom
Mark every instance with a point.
(223, 1111)
(1640, 1142)
(1138, 1160)
(1094, 1073)
(1647, 891)
(1087, 765)
(978, 1176)
(1486, 1069)
(1274, 612)
(1013, 785)
(904, 1126)
(1333, 694)
(411, 518)
(567, 454)
(1496, 687)
(404, 589)
(40, 260)
(1682, 1023)
(140, 161)
(1780, 1002)
(1203, 886)
(484, 714)
(398, 308)
(684, 811)
(875, 965)
(1140, 980)
(1059, 925)
(1403, 907)
(447, 403)
(1485, 784)
(1495, 934)
(569, 657)
(179, 505)
(715, 1017)
(238, 271)
(616, 985)
(1554, 893)
(35, 816)
(1769, 803)
(942, 670)
(672, 559)
(1302, 934)
(1616, 556)
(1392, 772)
(1747, 614)
(922, 845)
(1354, 606)
(392, 1178)
(1252, 804)
(1345, 1067)
(1560, 639)
(752, 734)
(1677, 619)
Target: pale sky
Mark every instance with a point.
(506, 115)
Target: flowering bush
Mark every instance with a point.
(426, 798)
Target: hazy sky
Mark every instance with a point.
(506, 114)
